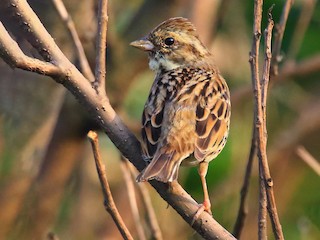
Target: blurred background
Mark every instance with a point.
(48, 180)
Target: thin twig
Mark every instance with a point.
(280, 27)
(151, 215)
(66, 18)
(308, 159)
(300, 29)
(132, 198)
(288, 71)
(243, 208)
(254, 53)
(262, 216)
(260, 96)
(261, 100)
(108, 199)
(100, 70)
(254, 62)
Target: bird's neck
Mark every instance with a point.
(159, 63)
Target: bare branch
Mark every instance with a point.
(261, 100)
(151, 215)
(260, 96)
(100, 72)
(307, 66)
(308, 159)
(301, 27)
(132, 198)
(108, 199)
(13, 56)
(66, 18)
(280, 27)
(254, 53)
(262, 216)
(288, 71)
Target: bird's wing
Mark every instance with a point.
(165, 133)
(213, 112)
(152, 116)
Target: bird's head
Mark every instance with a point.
(172, 44)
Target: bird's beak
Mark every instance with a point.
(143, 44)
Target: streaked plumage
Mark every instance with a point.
(187, 114)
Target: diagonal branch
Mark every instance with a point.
(308, 7)
(276, 58)
(108, 199)
(308, 159)
(13, 55)
(132, 198)
(151, 218)
(84, 64)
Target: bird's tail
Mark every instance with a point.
(164, 167)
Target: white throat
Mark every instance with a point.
(157, 62)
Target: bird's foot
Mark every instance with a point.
(205, 206)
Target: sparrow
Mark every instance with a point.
(187, 114)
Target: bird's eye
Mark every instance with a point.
(169, 41)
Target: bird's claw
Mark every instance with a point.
(202, 207)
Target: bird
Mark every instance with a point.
(186, 117)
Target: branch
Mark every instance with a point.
(100, 73)
(308, 159)
(260, 97)
(261, 126)
(262, 216)
(108, 199)
(14, 57)
(308, 7)
(280, 27)
(132, 198)
(99, 107)
(254, 65)
(151, 215)
(288, 71)
(66, 18)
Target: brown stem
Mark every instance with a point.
(280, 27)
(66, 18)
(308, 7)
(151, 215)
(108, 199)
(261, 126)
(100, 72)
(288, 71)
(260, 96)
(132, 198)
(308, 159)
(262, 216)
(13, 55)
